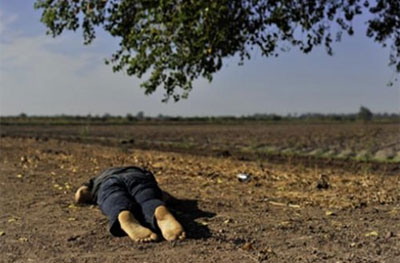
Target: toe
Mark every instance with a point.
(153, 236)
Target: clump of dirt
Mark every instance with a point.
(280, 215)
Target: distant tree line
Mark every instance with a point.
(363, 115)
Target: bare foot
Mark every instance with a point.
(83, 196)
(170, 228)
(135, 231)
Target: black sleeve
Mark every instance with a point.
(89, 183)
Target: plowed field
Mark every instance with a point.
(282, 214)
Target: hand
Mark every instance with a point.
(83, 196)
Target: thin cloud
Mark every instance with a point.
(45, 78)
(5, 21)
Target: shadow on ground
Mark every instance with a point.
(187, 211)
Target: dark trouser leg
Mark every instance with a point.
(143, 188)
(148, 200)
(113, 199)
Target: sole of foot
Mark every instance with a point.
(134, 230)
(170, 228)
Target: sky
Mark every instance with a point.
(41, 75)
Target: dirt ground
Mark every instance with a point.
(339, 141)
(283, 214)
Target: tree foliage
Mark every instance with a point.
(178, 41)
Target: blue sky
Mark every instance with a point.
(40, 75)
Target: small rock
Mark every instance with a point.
(23, 239)
(73, 238)
(372, 233)
(247, 246)
(389, 235)
(227, 221)
(330, 213)
(322, 182)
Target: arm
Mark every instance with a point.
(83, 194)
